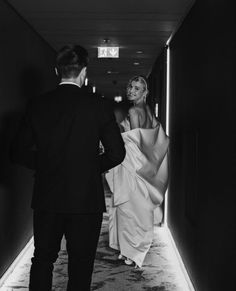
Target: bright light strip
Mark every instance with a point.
(86, 82)
(167, 122)
(156, 110)
(94, 89)
(179, 259)
(13, 272)
(168, 90)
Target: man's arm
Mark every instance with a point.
(114, 150)
(23, 149)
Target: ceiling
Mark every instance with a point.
(133, 25)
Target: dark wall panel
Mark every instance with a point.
(26, 69)
(202, 150)
(157, 87)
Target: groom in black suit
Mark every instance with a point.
(59, 138)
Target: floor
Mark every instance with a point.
(161, 270)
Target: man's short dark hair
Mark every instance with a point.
(70, 61)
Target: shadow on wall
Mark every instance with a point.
(16, 182)
(31, 83)
(15, 196)
(30, 86)
(8, 173)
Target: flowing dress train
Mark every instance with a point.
(138, 185)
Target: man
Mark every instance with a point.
(59, 138)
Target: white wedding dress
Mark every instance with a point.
(138, 185)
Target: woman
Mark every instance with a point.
(140, 181)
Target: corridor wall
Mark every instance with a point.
(26, 69)
(202, 144)
(157, 86)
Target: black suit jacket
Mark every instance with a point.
(59, 138)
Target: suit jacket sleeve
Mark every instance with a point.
(23, 147)
(114, 150)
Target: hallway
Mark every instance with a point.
(186, 50)
(160, 272)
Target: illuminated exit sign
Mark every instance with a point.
(108, 52)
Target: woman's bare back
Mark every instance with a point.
(141, 117)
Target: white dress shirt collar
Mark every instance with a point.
(69, 83)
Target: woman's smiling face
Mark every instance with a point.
(136, 91)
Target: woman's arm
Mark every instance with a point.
(134, 118)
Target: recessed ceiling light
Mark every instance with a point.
(136, 63)
(139, 52)
(112, 72)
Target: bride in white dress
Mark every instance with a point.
(140, 182)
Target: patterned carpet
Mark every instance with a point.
(159, 272)
(112, 274)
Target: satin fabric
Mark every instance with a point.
(138, 185)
